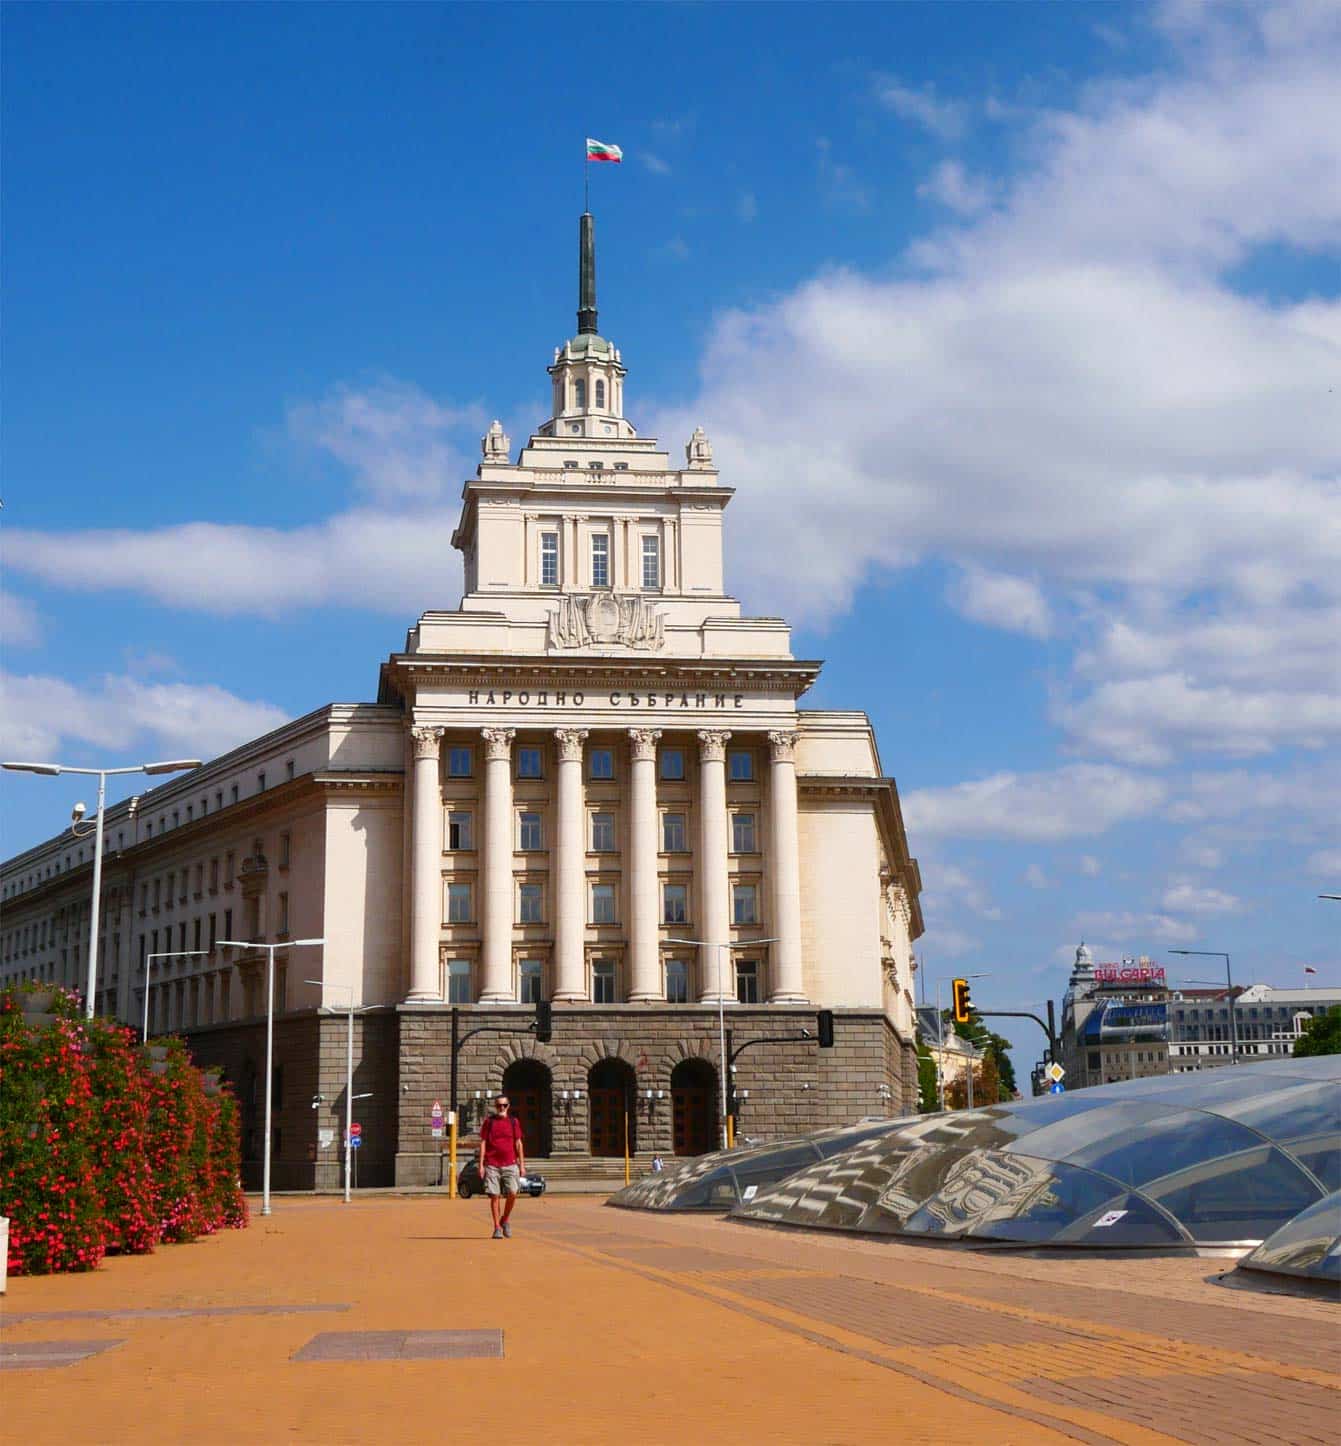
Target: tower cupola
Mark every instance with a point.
(587, 372)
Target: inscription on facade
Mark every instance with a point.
(570, 698)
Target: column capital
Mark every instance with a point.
(644, 742)
(782, 745)
(498, 743)
(712, 744)
(426, 742)
(570, 741)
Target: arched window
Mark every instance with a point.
(579, 393)
(600, 392)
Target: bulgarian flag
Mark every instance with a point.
(600, 151)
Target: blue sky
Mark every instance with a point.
(1016, 328)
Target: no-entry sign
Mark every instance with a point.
(356, 1129)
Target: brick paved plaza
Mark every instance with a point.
(398, 1319)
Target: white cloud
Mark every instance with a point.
(20, 622)
(1090, 866)
(396, 562)
(1327, 862)
(1036, 878)
(952, 186)
(1189, 898)
(944, 119)
(1073, 801)
(654, 163)
(747, 206)
(954, 885)
(1122, 927)
(676, 248)
(39, 715)
(1015, 604)
(839, 181)
(1202, 855)
(399, 444)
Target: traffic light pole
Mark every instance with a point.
(733, 1053)
(1050, 1028)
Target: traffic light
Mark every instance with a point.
(963, 1005)
(544, 1021)
(824, 1022)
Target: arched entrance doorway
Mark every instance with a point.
(528, 1084)
(612, 1088)
(693, 1107)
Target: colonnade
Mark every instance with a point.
(568, 872)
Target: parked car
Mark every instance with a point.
(468, 1181)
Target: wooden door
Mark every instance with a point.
(607, 1122)
(528, 1109)
(692, 1120)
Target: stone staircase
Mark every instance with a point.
(585, 1175)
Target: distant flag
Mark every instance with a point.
(601, 151)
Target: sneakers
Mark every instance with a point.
(498, 1235)
(507, 1230)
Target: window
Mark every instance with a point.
(742, 833)
(260, 783)
(530, 904)
(747, 982)
(677, 981)
(228, 868)
(458, 981)
(214, 875)
(181, 937)
(528, 763)
(195, 940)
(672, 833)
(228, 923)
(602, 903)
(458, 904)
(158, 891)
(651, 562)
(744, 904)
(600, 560)
(602, 833)
(288, 769)
(621, 466)
(176, 818)
(603, 981)
(200, 882)
(285, 845)
(531, 833)
(600, 391)
(234, 793)
(579, 393)
(283, 913)
(601, 763)
(571, 466)
(741, 765)
(549, 559)
(460, 831)
(530, 981)
(218, 800)
(675, 904)
(459, 762)
(190, 812)
(214, 932)
(595, 466)
(672, 764)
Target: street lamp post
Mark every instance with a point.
(149, 969)
(349, 1076)
(721, 999)
(54, 770)
(269, 1038)
(1229, 989)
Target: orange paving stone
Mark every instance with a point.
(655, 1329)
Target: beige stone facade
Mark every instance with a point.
(594, 758)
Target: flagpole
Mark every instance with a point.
(586, 181)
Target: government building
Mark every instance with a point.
(590, 783)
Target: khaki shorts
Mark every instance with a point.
(502, 1179)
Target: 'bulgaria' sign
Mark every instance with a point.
(1128, 974)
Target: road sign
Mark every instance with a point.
(355, 1142)
(1056, 1073)
(356, 1129)
(1057, 1088)
(325, 1138)
(436, 1132)
(436, 1111)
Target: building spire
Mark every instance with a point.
(586, 275)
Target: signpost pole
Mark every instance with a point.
(453, 1107)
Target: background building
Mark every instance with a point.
(593, 759)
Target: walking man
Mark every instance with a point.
(502, 1161)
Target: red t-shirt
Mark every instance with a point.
(501, 1138)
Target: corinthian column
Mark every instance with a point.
(496, 886)
(426, 866)
(714, 962)
(784, 867)
(644, 966)
(570, 905)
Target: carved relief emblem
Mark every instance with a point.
(604, 619)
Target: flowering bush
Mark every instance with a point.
(104, 1146)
